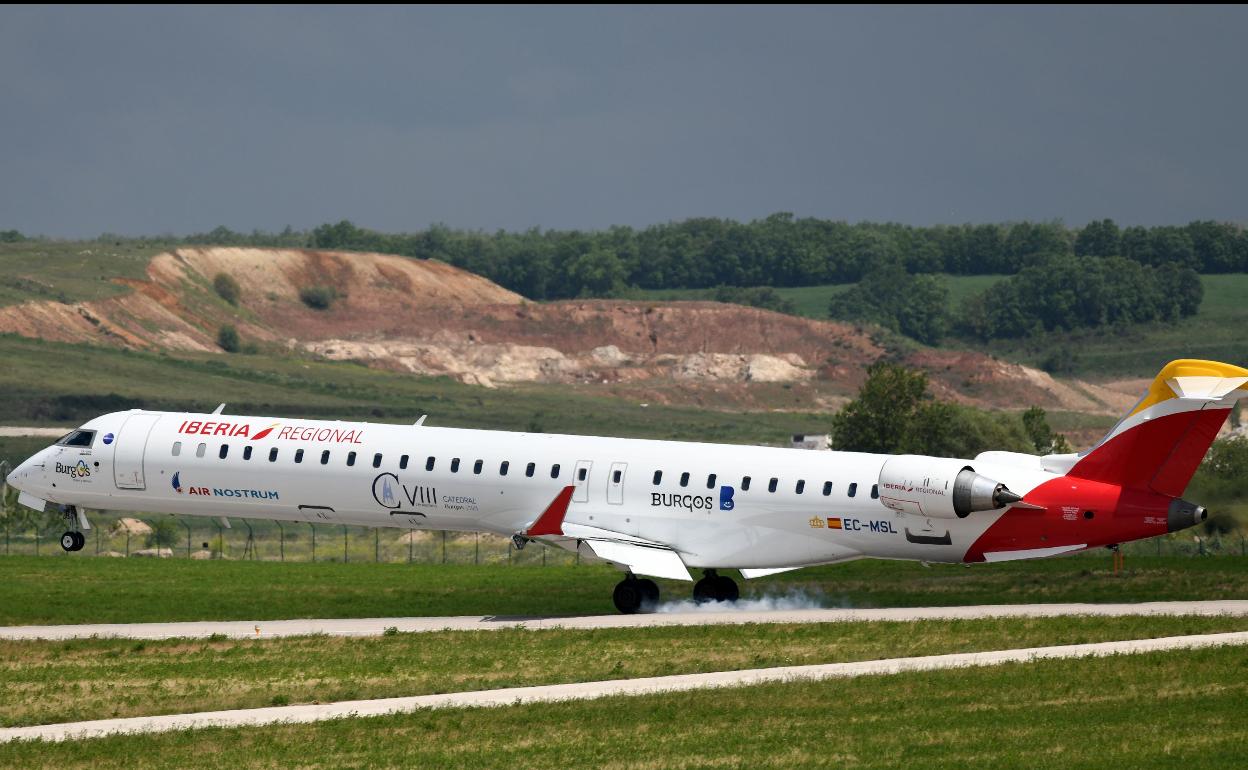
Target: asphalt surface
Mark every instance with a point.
(711, 614)
(588, 690)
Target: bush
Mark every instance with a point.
(164, 534)
(227, 338)
(227, 288)
(318, 297)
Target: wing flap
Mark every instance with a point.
(652, 560)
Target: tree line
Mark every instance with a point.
(780, 250)
(1062, 292)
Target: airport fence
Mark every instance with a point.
(182, 537)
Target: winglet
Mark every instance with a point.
(551, 520)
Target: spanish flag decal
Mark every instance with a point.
(834, 523)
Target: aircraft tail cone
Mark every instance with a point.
(1004, 497)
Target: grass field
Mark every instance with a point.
(1171, 709)
(90, 590)
(68, 271)
(43, 682)
(76, 382)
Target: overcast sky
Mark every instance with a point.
(176, 120)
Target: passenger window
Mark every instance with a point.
(223, 451)
(875, 491)
(403, 463)
(247, 453)
(827, 488)
(273, 455)
(684, 479)
(199, 450)
(581, 473)
(853, 489)
(771, 485)
(554, 471)
(429, 464)
(350, 459)
(298, 455)
(477, 466)
(710, 481)
(745, 483)
(529, 469)
(377, 460)
(177, 448)
(617, 477)
(325, 457)
(801, 486)
(503, 467)
(455, 465)
(658, 478)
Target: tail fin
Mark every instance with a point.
(1162, 440)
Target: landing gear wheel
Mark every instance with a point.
(82, 540)
(715, 588)
(649, 593)
(726, 589)
(73, 541)
(704, 590)
(628, 595)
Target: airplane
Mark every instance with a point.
(653, 508)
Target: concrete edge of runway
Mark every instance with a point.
(588, 690)
(711, 615)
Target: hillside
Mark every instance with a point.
(428, 318)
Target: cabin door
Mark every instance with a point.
(129, 448)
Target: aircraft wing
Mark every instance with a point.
(642, 557)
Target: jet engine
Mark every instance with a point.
(940, 488)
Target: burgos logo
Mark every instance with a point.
(79, 471)
(725, 498)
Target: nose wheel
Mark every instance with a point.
(73, 541)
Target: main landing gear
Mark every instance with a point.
(715, 588)
(633, 594)
(73, 540)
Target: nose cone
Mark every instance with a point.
(17, 477)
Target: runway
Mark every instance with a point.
(712, 614)
(588, 690)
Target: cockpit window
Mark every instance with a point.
(78, 438)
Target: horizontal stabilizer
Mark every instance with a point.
(642, 559)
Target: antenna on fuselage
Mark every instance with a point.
(421, 421)
(218, 409)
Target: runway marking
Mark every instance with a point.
(589, 690)
(239, 629)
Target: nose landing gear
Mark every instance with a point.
(73, 540)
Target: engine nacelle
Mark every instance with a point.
(940, 488)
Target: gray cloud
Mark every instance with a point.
(141, 120)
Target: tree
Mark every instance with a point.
(597, 273)
(1042, 436)
(228, 339)
(894, 413)
(226, 287)
(916, 306)
(1098, 239)
(886, 409)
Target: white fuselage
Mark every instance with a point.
(692, 497)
